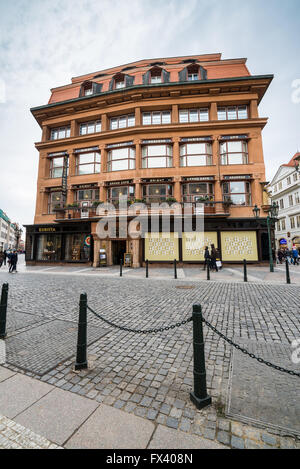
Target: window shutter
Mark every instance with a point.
(166, 76)
(111, 85)
(183, 75)
(98, 87)
(146, 78)
(203, 73)
(129, 80)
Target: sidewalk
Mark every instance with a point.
(42, 416)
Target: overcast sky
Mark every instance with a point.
(43, 43)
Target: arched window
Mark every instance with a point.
(156, 75)
(88, 88)
(119, 81)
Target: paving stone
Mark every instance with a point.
(172, 422)
(237, 443)
(173, 439)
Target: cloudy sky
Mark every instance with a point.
(43, 43)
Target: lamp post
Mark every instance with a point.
(271, 218)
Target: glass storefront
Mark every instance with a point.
(77, 247)
(48, 247)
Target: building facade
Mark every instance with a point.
(8, 239)
(285, 190)
(183, 129)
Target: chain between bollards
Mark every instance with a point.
(175, 269)
(147, 268)
(245, 271)
(3, 310)
(199, 396)
(81, 357)
(287, 268)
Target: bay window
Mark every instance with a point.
(90, 127)
(54, 201)
(237, 192)
(156, 156)
(196, 154)
(60, 132)
(115, 193)
(88, 163)
(87, 195)
(232, 113)
(157, 193)
(121, 159)
(234, 152)
(198, 192)
(121, 122)
(156, 117)
(56, 167)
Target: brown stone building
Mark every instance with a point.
(183, 128)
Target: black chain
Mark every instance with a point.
(238, 347)
(138, 331)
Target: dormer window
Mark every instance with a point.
(120, 84)
(193, 72)
(156, 75)
(120, 81)
(89, 88)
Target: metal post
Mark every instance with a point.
(208, 271)
(199, 397)
(3, 310)
(81, 359)
(175, 269)
(288, 278)
(147, 268)
(245, 271)
(121, 265)
(270, 245)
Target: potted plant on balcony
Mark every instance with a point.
(227, 204)
(171, 200)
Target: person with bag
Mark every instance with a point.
(213, 257)
(206, 258)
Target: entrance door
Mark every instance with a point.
(265, 246)
(118, 251)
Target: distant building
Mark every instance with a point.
(8, 239)
(285, 190)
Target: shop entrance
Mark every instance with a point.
(118, 251)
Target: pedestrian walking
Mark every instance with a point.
(13, 262)
(206, 258)
(1, 258)
(295, 256)
(280, 256)
(4, 256)
(288, 255)
(213, 257)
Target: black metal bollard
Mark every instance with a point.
(208, 271)
(3, 310)
(175, 269)
(147, 268)
(245, 271)
(81, 358)
(121, 268)
(287, 267)
(199, 397)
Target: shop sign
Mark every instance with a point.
(85, 186)
(119, 145)
(47, 230)
(162, 140)
(283, 241)
(87, 241)
(158, 180)
(65, 178)
(59, 153)
(237, 178)
(196, 139)
(198, 178)
(119, 183)
(234, 137)
(86, 150)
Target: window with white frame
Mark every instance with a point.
(298, 221)
(292, 221)
(295, 176)
(232, 113)
(121, 159)
(56, 167)
(237, 192)
(193, 115)
(156, 117)
(88, 163)
(157, 156)
(54, 201)
(281, 203)
(90, 127)
(283, 225)
(196, 154)
(234, 152)
(291, 201)
(289, 180)
(121, 122)
(60, 132)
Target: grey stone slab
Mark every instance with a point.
(168, 438)
(260, 395)
(5, 373)
(42, 348)
(110, 428)
(19, 392)
(57, 415)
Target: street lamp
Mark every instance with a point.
(271, 218)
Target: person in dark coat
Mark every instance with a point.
(206, 258)
(280, 255)
(13, 262)
(213, 257)
(4, 256)
(1, 258)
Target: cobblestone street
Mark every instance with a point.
(151, 376)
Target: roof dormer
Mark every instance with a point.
(89, 88)
(156, 75)
(120, 80)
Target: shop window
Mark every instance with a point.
(77, 247)
(157, 193)
(232, 113)
(126, 192)
(196, 154)
(156, 156)
(49, 247)
(87, 195)
(121, 159)
(193, 115)
(60, 132)
(237, 192)
(90, 127)
(234, 152)
(88, 163)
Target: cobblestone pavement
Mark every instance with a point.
(14, 436)
(152, 375)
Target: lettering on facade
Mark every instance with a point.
(47, 230)
(117, 145)
(196, 139)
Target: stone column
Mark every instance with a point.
(138, 154)
(176, 153)
(138, 116)
(213, 112)
(175, 114)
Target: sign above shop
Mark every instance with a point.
(283, 241)
(162, 140)
(60, 153)
(48, 229)
(196, 139)
(237, 178)
(85, 186)
(119, 183)
(118, 145)
(234, 137)
(158, 180)
(198, 178)
(86, 150)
